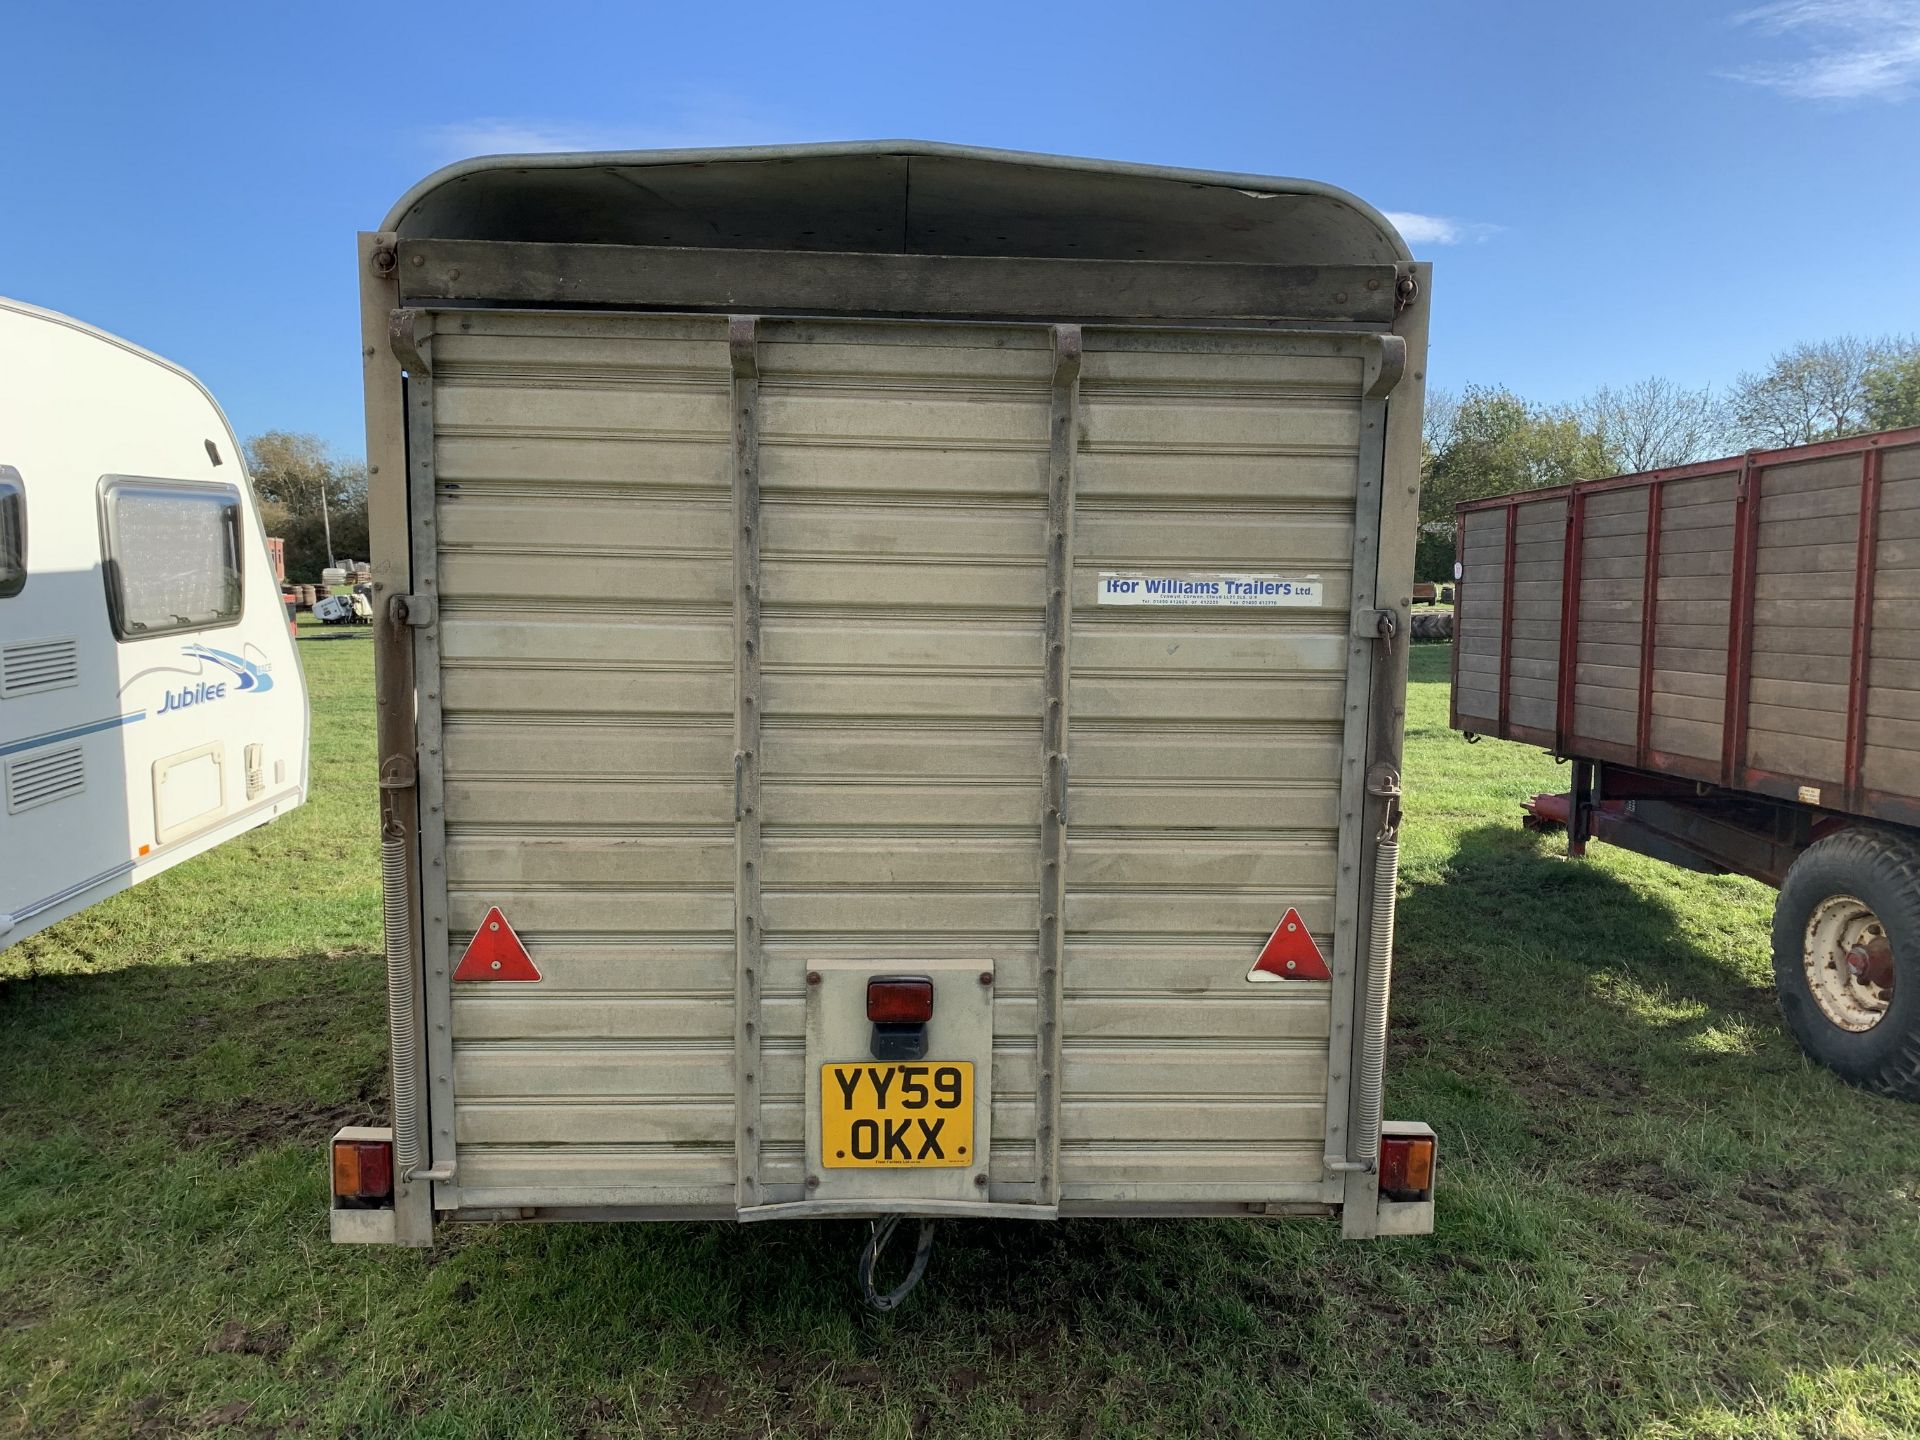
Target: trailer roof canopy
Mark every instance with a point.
(897, 197)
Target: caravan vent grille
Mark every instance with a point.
(43, 779)
(36, 665)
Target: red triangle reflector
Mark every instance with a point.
(495, 953)
(1290, 953)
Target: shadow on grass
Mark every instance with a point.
(241, 1054)
(1516, 978)
(1540, 946)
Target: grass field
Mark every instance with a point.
(1655, 1219)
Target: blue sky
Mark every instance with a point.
(1607, 191)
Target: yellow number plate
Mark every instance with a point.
(896, 1115)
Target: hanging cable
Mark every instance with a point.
(877, 1242)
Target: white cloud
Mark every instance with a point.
(1855, 49)
(497, 135)
(690, 120)
(1418, 229)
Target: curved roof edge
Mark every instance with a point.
(541, 181)
(56, 317)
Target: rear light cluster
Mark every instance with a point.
(899, 1007)
(899, 1000)
(362, 1173)
(1406, 1167)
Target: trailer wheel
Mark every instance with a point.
(1846, 958)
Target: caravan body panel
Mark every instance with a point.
(152, 704)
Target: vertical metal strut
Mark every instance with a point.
(386, 394)
(1744, 588)
(1353, 907)
(1860, 659)
(1649, 625)
(748, 942)
(1063, 446)
(411, 333)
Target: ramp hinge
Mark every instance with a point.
(1384, 781)
(415, 610)
(1381, 625)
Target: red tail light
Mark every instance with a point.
(899, 1000)
(1406, 1167)
(362, 1169)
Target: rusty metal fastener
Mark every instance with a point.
(986, 977)
(813, 1182)
(813, 977)
(384, 261)
(981, 1181)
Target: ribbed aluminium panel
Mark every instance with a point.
(587, 637)
(903, 502)
(587, 678)
(1206, 761)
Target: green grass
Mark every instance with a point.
(1655, 1218)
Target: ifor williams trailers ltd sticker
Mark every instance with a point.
(1209, 588)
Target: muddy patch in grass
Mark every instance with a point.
(1548, 1079)
(248, 1124)
(17, 1312)
(269, 1342)
(1644, 1178)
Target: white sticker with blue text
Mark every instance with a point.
(1209, 588)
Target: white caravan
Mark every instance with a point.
(151, 702)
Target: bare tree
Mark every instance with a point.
(1654, 423)
(1439, 419)
(309, 498)
(1813, 391)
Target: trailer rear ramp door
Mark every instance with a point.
(776, 666)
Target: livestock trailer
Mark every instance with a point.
(151, 701)
(890, 688)
(1727, 652)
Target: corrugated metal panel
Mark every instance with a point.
(1205, 747)
(587, 644)
(903, 489)
(587, 677)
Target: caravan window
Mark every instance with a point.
(172, 554)
(13, 532)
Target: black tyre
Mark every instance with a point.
(1846, 957)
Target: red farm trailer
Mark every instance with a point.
(1728, 654)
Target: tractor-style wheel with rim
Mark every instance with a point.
(1846, 957)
